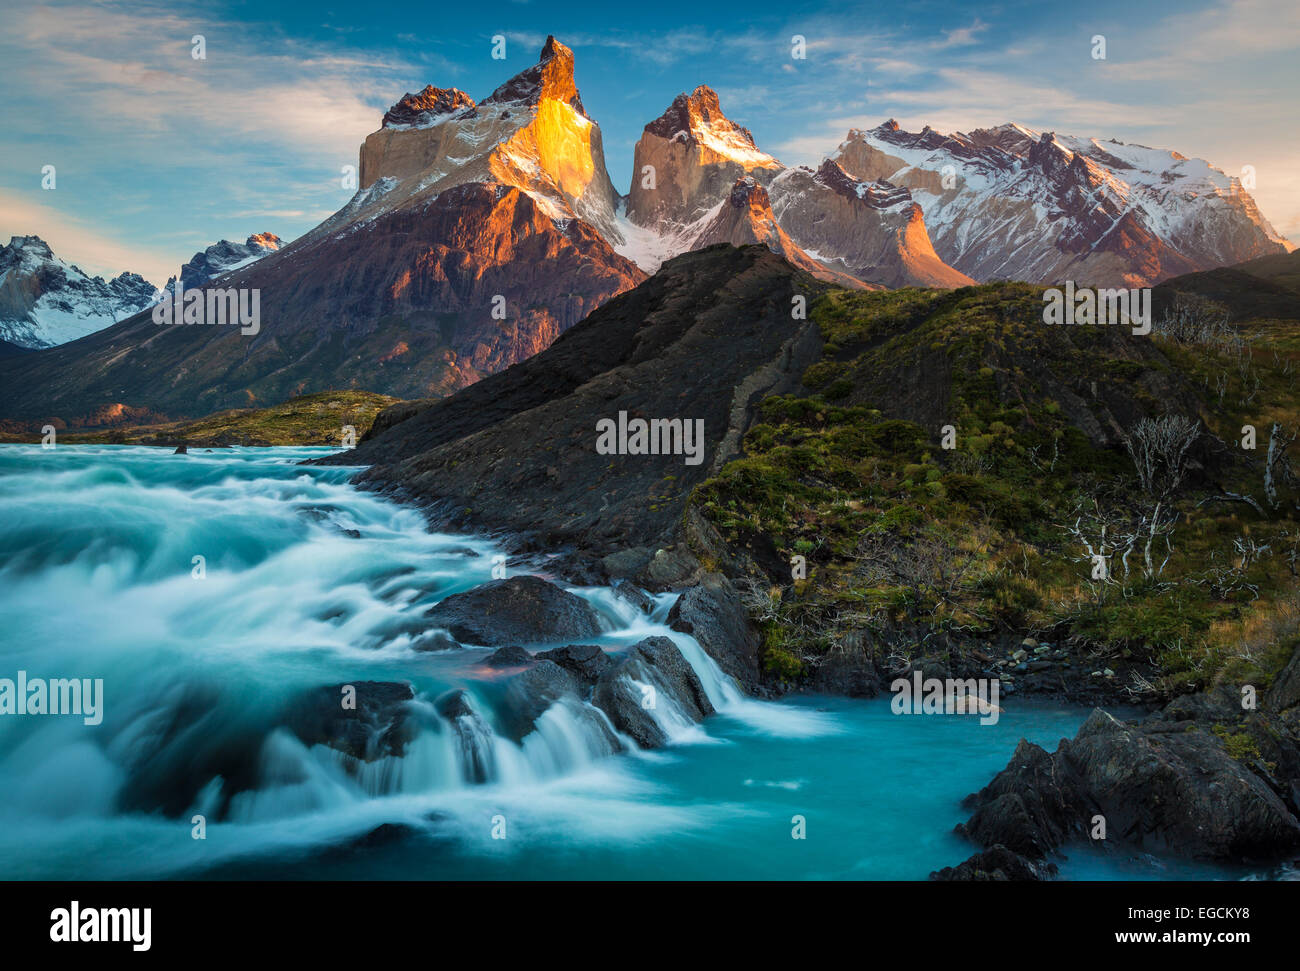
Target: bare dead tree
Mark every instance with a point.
(1277, 466)
(925, 566)
(1194, 320)
(1159, 447)
(1250, 550)
(1105, 535)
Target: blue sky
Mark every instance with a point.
(158, 154)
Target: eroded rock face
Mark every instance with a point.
(656, 663)
(518, 610)
(531, 133)
(426, 107)
(746, 217)
(873, 230)
(696, 154)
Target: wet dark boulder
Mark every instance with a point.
(638, 598)
(434, 640)
(586, 662)
(995, 865)
(530, 692)
(711, 612)
(512, 656)
(520, 610)
(1164, 785)
(372, 720)
(649, 685)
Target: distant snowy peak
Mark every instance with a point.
(877, 194)
(225, 257)
(45, 301)
(1013, 202)
(699, 178)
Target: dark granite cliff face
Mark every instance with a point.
(704, 340)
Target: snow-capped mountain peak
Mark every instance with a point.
(531, 133)
(224, 257)
(1017, 203)
(45, 301)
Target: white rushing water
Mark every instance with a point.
(305, 582)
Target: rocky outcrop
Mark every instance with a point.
(711, 612)
(1203, 779)
(585, 662)
(640, 691)
(427, 107)
(530, 692)
(511, 656)
(380, 724)
(531, 133)
(997, 864)
(648, 676)
(533, 430)
(745, 218)
(477, 758)
(550, 79)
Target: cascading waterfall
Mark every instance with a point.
(303, 581)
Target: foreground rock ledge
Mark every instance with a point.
(1168, 784)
